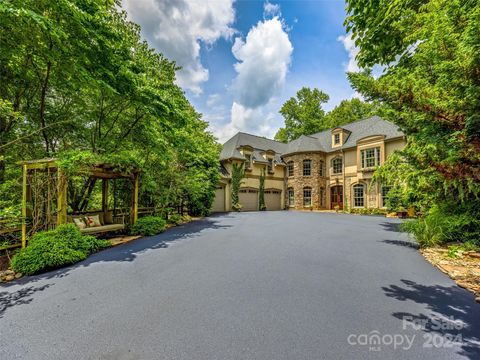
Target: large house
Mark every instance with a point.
(331, 169)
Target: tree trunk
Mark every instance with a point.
(42, 107)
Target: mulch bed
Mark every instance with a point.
(463, 269)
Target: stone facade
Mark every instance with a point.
(298, 182)
(361, 146)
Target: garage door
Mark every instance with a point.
(273, 199)
(248, 198)
(219, 202)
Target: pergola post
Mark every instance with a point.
(61, 198)
(24, 206)
(134, 211)
(104, 198)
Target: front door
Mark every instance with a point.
(336, 197)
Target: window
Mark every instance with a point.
(307, 167)
(248, 161)
(291, 198)
(337, 165)
(290, 168)
(370, 157)
(336, 139)
(270, 165)
(307, 196)
(322, 168)
(385, 190)
(358, 195)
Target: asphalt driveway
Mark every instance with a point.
(271, 285)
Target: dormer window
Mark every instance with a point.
(336, 139)
(248, 161)
(270, 165)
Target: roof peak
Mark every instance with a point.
(258, 136)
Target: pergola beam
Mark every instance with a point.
(61, 198)
(134, 212)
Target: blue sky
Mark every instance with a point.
(243, 59)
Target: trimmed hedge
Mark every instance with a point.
(55, 248)
(148, 225)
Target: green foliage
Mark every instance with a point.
(175, 219)
(430, 89)
(78, 83)
(349, 111)
(261, 192)
(455, 251)
(446, 223)
(148, 226)
(186, 218)
(304, 115)
(365, 211)
(55, 248)
(238, 171)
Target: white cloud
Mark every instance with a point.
(214, 100)
(263, 58)
(349, 45)
(177, 27)
(254, 121)
(270, 9)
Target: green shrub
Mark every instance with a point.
(446, 223)
(55, 248)
(148, 225)
(364, 211)
(186, 218)
(175, 219)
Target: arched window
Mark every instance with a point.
(307, 167)
(359, 195)
(307, 196)
(290, 197)
(337, 165)
(290, 168)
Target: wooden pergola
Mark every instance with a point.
(50, 167)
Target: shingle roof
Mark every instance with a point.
(258, 143)
(304, 144)
(358, 130)
(321, 141)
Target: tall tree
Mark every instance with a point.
(87, 88)
(432, 83)
(431, 89)
(303, 114)
(350, 110)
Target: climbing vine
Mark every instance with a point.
(261, 193)
(237, 175)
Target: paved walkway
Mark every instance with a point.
(270, 285)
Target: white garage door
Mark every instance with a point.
(219, 202)
(248, 198)
(273, 199)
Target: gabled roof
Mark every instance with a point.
(304, 144)
(258, 143)
(359, 130)
(321, 141)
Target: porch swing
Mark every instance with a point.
(45, 198)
